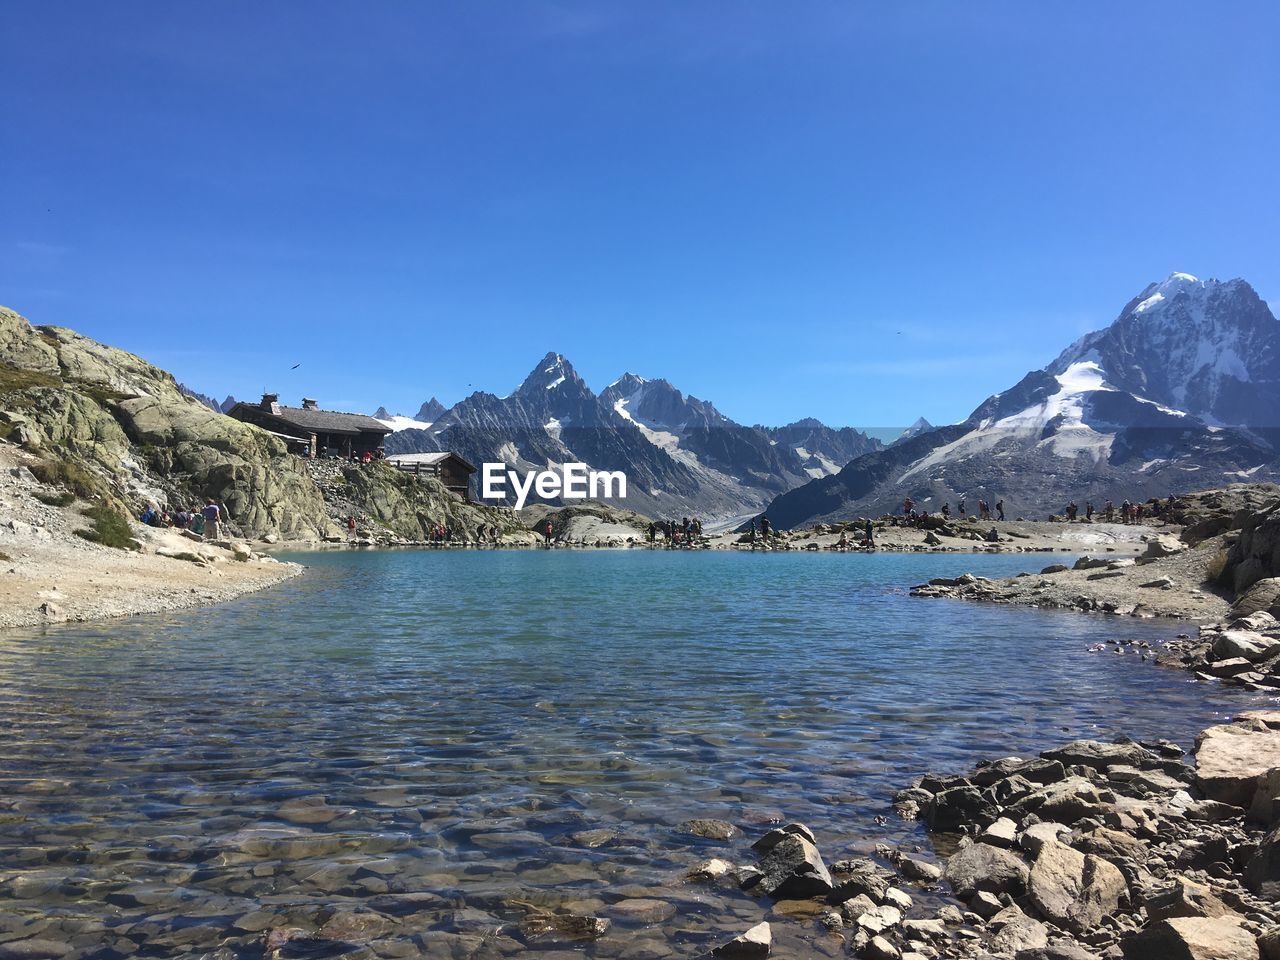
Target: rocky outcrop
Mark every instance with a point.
(132, 434)
(1256, 553)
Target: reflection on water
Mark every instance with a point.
(417, 750)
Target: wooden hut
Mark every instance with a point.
(449, 468)
(315, 432)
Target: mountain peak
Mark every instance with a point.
(551, 372)
(431, 411)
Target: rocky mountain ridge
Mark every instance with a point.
(680, 454)
(1179, 393)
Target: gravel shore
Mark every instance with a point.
(49, 574)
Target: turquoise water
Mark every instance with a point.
(430, 734)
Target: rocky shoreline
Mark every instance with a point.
(1090, 851)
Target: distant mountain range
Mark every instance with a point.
(1180, 392)
(209, 402)
(681, 455)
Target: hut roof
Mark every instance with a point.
(324, 421)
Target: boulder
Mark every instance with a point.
(1232, 667)
(1233, 759)
(752, 945)
(1244, 643)
(1192, 938)
(1074, 890)
(1262, 873)
(959, 807)
(770, 839)
(1263, 596)
(1184, 898)
(793, 869)
(880, 948)
(982, 866)
(1158, 547)
(1098, 755)
(1017, 932)
(1066, 802)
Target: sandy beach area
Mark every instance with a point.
(50, 574)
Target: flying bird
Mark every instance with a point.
(295, 366)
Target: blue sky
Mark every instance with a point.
(864, 212)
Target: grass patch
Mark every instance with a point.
(69, 476)
(63, 499)
(239, 557)
(109, 528)
(13, 379)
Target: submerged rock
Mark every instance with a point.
(752, 945)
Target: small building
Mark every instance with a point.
(449, 468)
(313, 432)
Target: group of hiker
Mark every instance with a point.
(985, 510)
(1128, 512)
(687, 532)
(204, 521)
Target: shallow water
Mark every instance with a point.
(430, 735)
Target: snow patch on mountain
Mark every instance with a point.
(398, 422)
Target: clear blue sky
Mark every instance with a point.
(863, 212)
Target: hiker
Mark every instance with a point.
(653, 531)
(212, 520)
(1109, 510)
(1088, 510)
(751, 534)
(908, 505)
(493, 533)
(351, 528)
(870, 534)
(961, 510)
(1000, 508)
(764, 529)
(946, 510)
(843, 542)
(546, 533)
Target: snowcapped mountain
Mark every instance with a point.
(1208, 348)
(680, 454)
(1181, 391)
(427, 414)
(920, 426)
